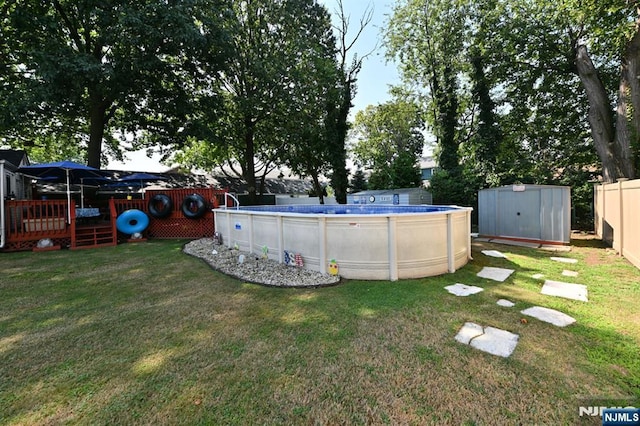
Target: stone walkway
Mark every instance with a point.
(502, 342)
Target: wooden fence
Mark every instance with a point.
(616, 206)
(176, 224)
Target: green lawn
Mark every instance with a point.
(143, 334)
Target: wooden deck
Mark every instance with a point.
(29, 221)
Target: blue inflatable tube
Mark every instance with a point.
(132, 221)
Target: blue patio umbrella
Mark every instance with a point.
(141, 177)
(67, 171)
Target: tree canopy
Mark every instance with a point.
(528, 88)
(276, 89)
(389, 141)
(82, 70)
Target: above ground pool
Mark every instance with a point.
(371, 242)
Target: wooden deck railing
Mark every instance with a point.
(27, 221)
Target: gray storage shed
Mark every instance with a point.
(526, 212)
(400, 196)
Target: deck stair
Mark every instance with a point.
(95, 235)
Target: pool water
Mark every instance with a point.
(349, 209)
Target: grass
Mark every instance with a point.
(143, 334)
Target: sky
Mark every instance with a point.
(373, 80)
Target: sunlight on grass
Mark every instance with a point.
(7, 343)
(147, 335)
(152, 362)
(297, 315)
(305, 297)
(367, 312)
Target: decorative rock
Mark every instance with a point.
(261, 271)
(506, 303)
(537, 276)
(44, 243)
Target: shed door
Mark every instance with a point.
(519, 214)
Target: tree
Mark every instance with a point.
(338, 111)
(427, 38)
(614, 28)
(557, 87)
(85, 69)
(390, 140)
(358, 181)
(275, 91)
(309, 153)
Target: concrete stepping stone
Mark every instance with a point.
(494, 253)
(555, 248)
(463, 289)
(564, 259)
(537, 276)
(566, 290)
(506, 303)
(551, 316)
(496, 274)
(488, 339)
(568, 273)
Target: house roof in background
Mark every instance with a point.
(16, 157)
(174, 179)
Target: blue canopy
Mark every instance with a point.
(140, 178)
(64, 171)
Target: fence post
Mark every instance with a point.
(621, 207)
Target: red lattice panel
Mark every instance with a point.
(176, 225)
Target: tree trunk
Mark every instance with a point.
(317, 187)
(339, 177)
(628, 110)
(98, 121)
(600, 114)
(612, 143)
(249, 168)
(446, 100)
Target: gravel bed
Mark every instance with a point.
(254, 268)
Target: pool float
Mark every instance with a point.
(132, 221)
(160, 206)
(194, 206)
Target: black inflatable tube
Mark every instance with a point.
(194, 206)
(160, 206)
